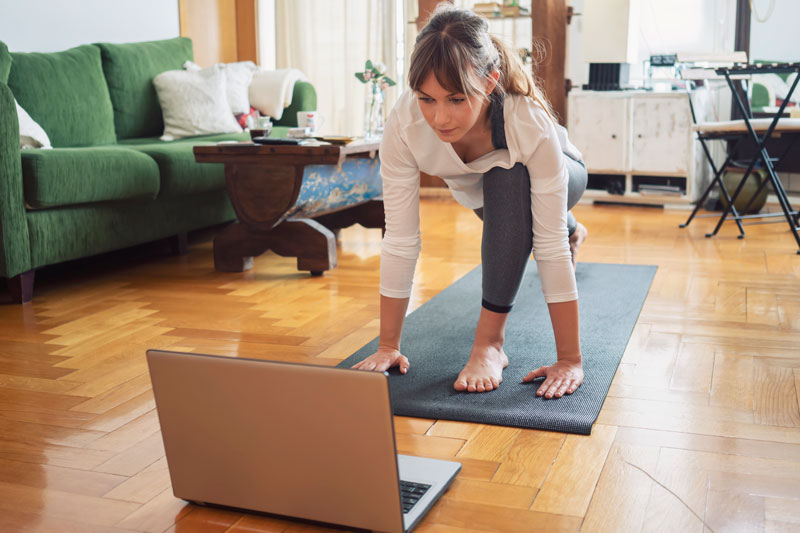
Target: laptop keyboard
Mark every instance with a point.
(411, 493)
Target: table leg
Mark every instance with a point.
(369, 215)
(234, 248)
(312, 243)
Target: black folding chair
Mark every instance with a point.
(745, 133)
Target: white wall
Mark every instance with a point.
(777, 38)
(660, 27)
(609, 27)
(54, 25)
(576, 69)
(670, 26)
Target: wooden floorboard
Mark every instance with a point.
(700, 430)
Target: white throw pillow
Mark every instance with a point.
(194, 103)
(238, 77)
(31, 134)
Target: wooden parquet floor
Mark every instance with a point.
(700, 430)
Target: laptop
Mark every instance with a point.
(303, 441)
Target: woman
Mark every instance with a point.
(474, 117)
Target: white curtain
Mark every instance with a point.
(330, 40)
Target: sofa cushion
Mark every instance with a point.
(69, 176)
(129, 70)
(279, 132)
(66, 93)
(180, 173)
(5, 62)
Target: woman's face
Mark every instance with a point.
(451, 115)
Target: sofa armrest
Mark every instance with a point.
(15, 255)
(304, 98)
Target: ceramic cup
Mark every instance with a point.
(310, 119)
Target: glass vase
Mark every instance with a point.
(373, 112)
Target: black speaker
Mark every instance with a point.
(607, 76)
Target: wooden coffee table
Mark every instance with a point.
(263, 183)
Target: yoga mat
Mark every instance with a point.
(437, 338)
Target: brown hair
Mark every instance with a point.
(454, 38)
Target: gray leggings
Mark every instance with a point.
(507, 235)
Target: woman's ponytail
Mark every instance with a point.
(515, 78)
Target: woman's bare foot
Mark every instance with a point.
(484, 370)
(575, 240)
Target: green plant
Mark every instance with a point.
(375, 73)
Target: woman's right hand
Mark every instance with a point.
(384, 359)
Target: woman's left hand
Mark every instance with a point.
(564, 377)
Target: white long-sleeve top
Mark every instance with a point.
(410, 145)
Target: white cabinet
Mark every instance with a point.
(599, 132)
(661, 135)
(638, 146)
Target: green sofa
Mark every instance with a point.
(109, 182)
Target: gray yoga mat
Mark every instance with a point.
(438, 336)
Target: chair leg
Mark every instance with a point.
(716, 181)
(21, 287)
(730, 208)
(784, 201)
(713, 181)
(702, 200)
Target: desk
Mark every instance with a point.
(291, 199)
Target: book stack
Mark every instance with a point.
(487, 9)
(510, 9)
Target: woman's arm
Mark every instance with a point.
(566, 375)
(393, 314)
(400, 247)
(535, 136)
(549, 181)
(564, 317)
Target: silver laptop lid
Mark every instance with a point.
(296, 440)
